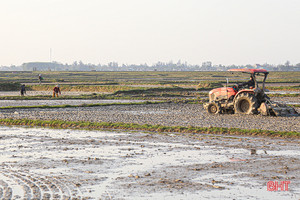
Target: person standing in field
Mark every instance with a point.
(23, 90)
(56, 90)
(40, 78)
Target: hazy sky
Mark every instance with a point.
(147, 31)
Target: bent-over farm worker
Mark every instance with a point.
(56, 90)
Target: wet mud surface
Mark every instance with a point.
(5, 103)
(167, 114)
(287, 100)
(75, 164)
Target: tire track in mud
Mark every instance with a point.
(5, 190)
(24, 185)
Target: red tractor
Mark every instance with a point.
(246, 98)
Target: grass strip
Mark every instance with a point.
(288, 88)
(294, 105)
(147, 127)
(82, 105)
(152, 90)
(284, 95)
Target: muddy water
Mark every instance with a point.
(33, 93)
(4, 103)
(58, 164)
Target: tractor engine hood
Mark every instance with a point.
(221, 93)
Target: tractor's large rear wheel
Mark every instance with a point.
(246, 103)
(213, 108)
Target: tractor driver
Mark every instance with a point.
(250, 83)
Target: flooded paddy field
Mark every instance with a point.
(39, 163)
(166, 114)
(5, 103)
(287, 100)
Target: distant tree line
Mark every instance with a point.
(159, 66)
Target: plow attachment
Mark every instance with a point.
(276, 109)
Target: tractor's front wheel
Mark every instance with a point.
(213, 108)
(246, 103)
